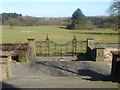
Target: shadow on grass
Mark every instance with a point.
(95, 33)
(63, 28)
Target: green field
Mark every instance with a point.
(55, 33)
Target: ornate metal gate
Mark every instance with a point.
(50, 48)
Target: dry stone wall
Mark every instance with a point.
(3, 70)
(108, 54)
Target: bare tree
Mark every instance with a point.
(13, 22)
(114, 10)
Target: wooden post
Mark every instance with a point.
(99, 53)
(31, 51)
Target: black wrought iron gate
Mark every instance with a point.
(50, 48)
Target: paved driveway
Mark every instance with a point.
(57, 82)
(65, 74)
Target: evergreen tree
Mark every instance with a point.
(7, 16)
(79, 20)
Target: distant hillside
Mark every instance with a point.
(19, 20)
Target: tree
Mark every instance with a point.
(78, 21)
(114, 10)
(7, 16)
(11, 26)
(13, 22)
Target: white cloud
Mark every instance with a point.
(56, 0)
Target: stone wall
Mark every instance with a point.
(108, 45)
(3, 70)
(108, 54)
(27, 50)
(12, 46)
(108, 48)
(18, 51)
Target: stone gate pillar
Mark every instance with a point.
(90, 49)
(31, 49)
(9, 66)
(90, 42)
(115, 71)
(99, 53)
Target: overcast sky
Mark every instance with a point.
(55, 8)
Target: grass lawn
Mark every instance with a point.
(55, 33)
